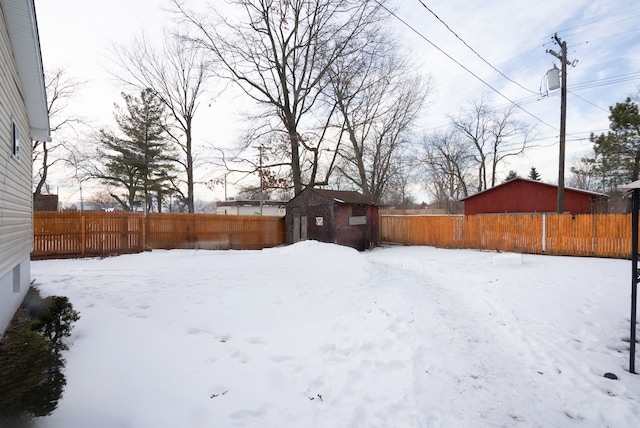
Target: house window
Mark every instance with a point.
(15, 137)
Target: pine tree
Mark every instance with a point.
(533, 174)
(511, 176)
(140, 160)
(617, 153)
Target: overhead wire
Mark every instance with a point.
(621, 78)
(419, 34)
(472, 49)
(628, 18)
(586, 101)
(527, 100)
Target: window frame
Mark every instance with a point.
(15, 139)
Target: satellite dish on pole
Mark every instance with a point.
(553, 78)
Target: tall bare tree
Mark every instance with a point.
(176, 73)
(397, 191)
(60, 88)
(378, 98)
(448, 162)
(278, 52)
(509, 138)
(494, 134)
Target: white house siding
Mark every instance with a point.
(16, 218)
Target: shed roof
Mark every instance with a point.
(249, 202)
(345, 196)
(627, 189)
(20, 16)
(535, 182)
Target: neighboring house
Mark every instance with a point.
(251, 207)
(23, 118)
(340, 217)
(522, 195)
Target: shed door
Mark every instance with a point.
(296, 229)
(299, 228)
(303, 228)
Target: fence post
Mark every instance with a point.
(544, 232)
(83, 234)
(124, 234)
(144, 232)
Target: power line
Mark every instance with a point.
(587, 101)
(621, 78)
(617, 35)
(473, 50)
(461, 65)
(590, 28)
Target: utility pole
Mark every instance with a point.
(562, 56)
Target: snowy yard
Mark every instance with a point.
(317, 335)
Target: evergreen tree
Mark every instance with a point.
(533, 174)
(140, 159)
(511, 176)
(617, 153)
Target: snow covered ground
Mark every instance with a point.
(318, 335)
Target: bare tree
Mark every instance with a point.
(278, 53)
(495, 135)
(176, 74)
(377, 97)
(60, 88)
(103, 200)
(509, 137)
(397, 188)
(583, 173)
(448, 163)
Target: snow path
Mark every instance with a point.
(452, 367)
(480, 351)
(318, 335)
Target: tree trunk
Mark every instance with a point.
(190, 198)
(43, 178)
(294, 139)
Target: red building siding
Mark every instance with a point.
(527, 196)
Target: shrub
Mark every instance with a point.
(31, 364)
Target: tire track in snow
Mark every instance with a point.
(472, 360)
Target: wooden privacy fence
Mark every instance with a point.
(97, 233)
(601, 235)
(74, 234)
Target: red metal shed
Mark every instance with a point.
(522, 195)
(341, 217)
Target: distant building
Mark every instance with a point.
(341, 217)
(522, 195)
(251, 207)
(45, 203)
(23, 119)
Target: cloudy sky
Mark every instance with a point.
(603, 41)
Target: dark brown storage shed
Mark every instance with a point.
(522, 195)
(341, 217)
